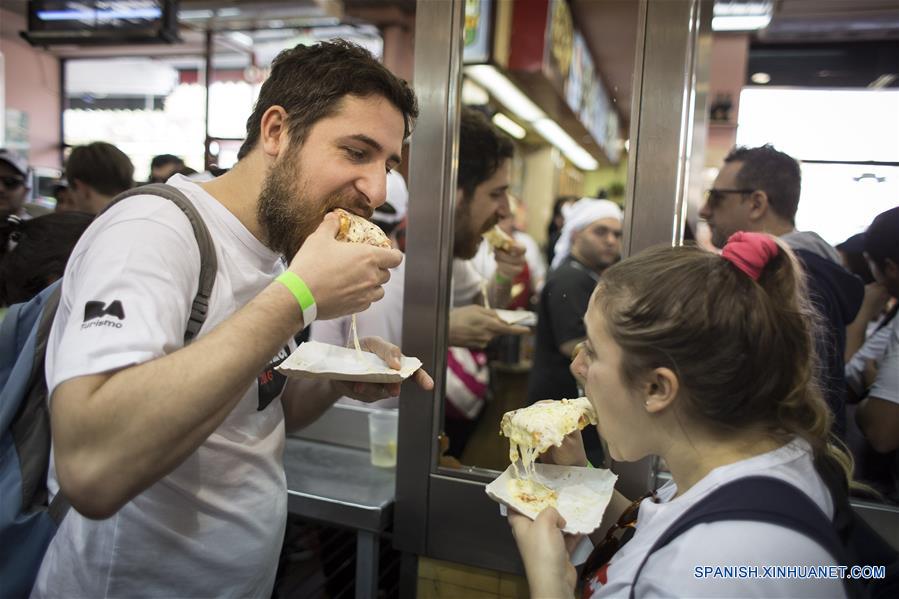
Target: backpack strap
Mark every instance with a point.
(60, 505)
(208, 261)
(757, 499)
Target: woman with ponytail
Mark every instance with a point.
(708, 362)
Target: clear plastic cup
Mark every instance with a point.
(382, 426)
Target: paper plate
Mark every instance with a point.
(520, 317)
(584, 494)
(324, 361)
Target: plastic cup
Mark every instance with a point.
(382, 426)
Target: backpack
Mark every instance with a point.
(27, 521)
(848, 538)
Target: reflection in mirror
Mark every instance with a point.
(539, 131)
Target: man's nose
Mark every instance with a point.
(503, 209)
(373, 184)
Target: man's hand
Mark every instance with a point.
(344, 278)
(371, 392)
(476, 326)
(510, 263)
(545, 553)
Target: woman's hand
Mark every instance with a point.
(545, 552)
(570, 453)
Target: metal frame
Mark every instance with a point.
(432, 176)
(667, 137)
(446, 514)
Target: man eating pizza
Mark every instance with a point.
(171, 454)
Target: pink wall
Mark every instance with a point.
(32, 85)
(727, 74)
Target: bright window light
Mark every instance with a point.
(816, 124)
(509, 126)
(837, 200)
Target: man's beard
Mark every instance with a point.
(467, 240)
(719, 238)
(288, 215)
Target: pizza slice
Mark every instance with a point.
(356, 229)
(533, 430)
(499, 239)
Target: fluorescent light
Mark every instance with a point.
(509, 126)
(740, 23)
(473, 94)
(555, 135)
(241, 38)
(761, 78)
(742, 16)
(521, 106)
(505, 91)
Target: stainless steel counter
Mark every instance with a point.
(338, 485)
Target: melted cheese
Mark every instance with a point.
(532, 494)
(356, 229)
(533, 430)
(355, 336)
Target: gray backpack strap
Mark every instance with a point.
(208, 261)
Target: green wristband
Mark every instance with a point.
(301, 292)
(502, 280)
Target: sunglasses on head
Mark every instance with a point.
(12, 182)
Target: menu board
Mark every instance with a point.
(478, 24)
(101, 21)
(588, 98)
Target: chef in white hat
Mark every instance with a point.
(592, 233)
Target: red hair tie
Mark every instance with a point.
(750, 252)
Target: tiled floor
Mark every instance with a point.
(447, 580)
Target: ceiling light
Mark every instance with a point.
(509, 126)
(505, 91)
(742, 16)
(473, 94)
(555, 135)
(761, 78)
(512, 98)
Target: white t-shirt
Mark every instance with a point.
(214, 526)
(670, 571)
(485, 262)
(466, 284)
(874, 348)
(886, 385)
(383, 318)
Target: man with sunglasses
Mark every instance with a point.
(13, 185)
(757, 190)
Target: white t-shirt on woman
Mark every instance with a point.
(670, 570)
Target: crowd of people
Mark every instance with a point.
(769, 357)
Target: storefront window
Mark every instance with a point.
(157, 105)
(847, 142)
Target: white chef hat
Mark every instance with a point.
(578, 216)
